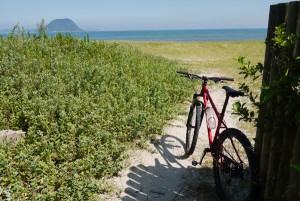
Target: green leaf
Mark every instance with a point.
(270, 94)
(296, 167)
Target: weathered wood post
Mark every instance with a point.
(277, 138)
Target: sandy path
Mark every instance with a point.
(164, 174)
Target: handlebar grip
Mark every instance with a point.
(226, 78)
(182, 72)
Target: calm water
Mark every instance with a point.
(174, 35)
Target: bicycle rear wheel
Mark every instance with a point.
(192, 127)
(234, 170)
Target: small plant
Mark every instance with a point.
(41, 27)
(286, 84)
(5, 194)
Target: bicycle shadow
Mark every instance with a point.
(169, 177)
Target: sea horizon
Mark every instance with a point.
(168, 35)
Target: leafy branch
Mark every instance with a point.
(287, 84)
(251, 73)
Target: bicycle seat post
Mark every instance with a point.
(230, 93)
(225, 105)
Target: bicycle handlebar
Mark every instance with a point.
(204, 78)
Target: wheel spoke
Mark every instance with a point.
(233, 175)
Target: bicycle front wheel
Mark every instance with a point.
(192, 127)
(234, 168)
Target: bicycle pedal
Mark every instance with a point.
(194, 163)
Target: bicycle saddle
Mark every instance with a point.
(231, 92)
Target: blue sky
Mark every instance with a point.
(138, 14)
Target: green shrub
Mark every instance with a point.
(81, 103)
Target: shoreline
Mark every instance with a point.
(197, 35)
(165, 42)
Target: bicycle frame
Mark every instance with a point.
(204, 93)
(221, 123)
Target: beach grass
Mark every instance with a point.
(207, 57)
(212, 58)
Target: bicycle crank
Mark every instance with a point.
(194, 163)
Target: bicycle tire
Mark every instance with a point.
(235, 181)
(192, 127)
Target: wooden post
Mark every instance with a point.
(265, 82)
(271, 71)
(275, 150)
(290, 129)
(293, 188)
(278, 136)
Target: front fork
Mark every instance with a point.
(197, 98)
(196, 101)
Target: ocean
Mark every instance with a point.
(173, 35)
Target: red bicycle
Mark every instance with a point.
(232, 152)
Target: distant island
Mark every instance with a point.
(62, 25)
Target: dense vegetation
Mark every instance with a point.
(81, 103)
